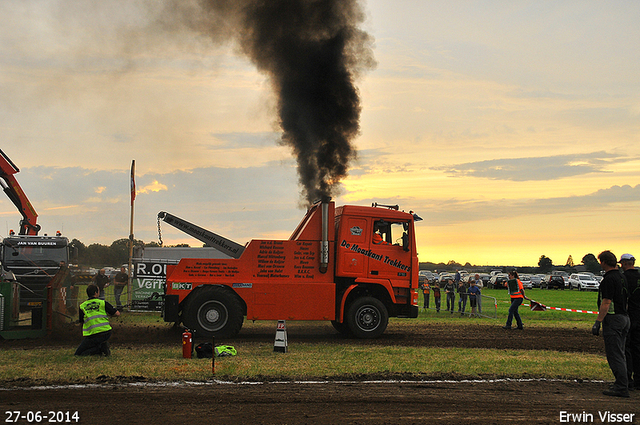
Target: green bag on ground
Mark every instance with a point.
(225, 350)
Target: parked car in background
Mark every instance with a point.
(499, 281)
(583, 282)
(536, 280)
(425, 276)
(443, 278)
(565, 276)
(553, 282)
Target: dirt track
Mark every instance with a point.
(401, 399)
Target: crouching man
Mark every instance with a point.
(96, 330)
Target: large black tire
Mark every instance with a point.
(367, 318)
(213, 312)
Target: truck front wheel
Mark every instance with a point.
(367, 317)
(343, 328)
(213, 311)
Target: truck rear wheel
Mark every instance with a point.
(213, 311)
(367, 317)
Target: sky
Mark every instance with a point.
(511, 127)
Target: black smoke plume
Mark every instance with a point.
(312, 51)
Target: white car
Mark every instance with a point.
(583, 282)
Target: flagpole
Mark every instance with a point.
(133, 197)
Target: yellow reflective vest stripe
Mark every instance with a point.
(95, 319)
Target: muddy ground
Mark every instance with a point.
(380, 399)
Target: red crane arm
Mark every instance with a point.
(29, 223)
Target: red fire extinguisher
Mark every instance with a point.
(187, 344)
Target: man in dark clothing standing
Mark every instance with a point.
(632, 276)
(462, 295)
(450, 290)
(120, 281)
(436, 295)
(612, 314)
(101, 280)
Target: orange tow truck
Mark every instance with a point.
(355, 266)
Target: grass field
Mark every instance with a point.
(321, 359)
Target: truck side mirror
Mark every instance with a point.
(405, 241)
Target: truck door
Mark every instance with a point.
(390, 258)
(352, 258)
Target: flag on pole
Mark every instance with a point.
(133, 181)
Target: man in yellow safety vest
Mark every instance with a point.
(96, 330)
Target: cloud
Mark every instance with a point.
(535, 168)
(456, 211)
(155, 186)
(239, 203)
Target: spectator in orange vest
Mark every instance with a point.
(425, 293)
(516, 291)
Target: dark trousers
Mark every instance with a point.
(632, 353)
(117, 291)
(426, 300)
(462, 303)
(513, 312)
(92, 345)
(451, 301)
(615, 328)
(437, 301)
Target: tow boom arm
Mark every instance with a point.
(213, 240)
(28, 224)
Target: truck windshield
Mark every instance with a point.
(48, 255)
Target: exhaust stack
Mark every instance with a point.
(324, 243)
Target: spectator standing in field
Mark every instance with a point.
(450, 290)
(612, 315)
(632, 353)
(516, 292)
(426, 289)
(462, 294)
(120, 281)
(101, 280)
(478, 282)
(436, 296)
(96, 329)
(474, 295)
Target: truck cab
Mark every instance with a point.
(33, 261)
(376, 249)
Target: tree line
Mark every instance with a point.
(98, 255)
(116, 254)
(545, 265)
